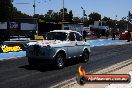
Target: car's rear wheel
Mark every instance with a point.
(60, 60)
(85, 56)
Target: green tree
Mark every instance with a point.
(76, 19)
(67, 16)
(86, 23)
(106, 19)
(94, 17)
(55, 17)
(36, 16)
(70, 16)
(41, 16)
(48, 15)
(109, 22)
(122, 25)
(58, 16)
(65, 10)
(6, 9)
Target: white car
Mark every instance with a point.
(58, 46)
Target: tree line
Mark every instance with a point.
(8, 12)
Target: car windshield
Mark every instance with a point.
(56, 36)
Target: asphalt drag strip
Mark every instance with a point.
(17, 73)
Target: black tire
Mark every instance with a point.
(31, 62)
(60, 60)
(85, 56)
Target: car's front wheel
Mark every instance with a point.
(60, 60)
(31, 61)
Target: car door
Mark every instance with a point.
(79, 44)
(72, 45)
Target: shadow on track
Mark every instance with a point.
(51, 67)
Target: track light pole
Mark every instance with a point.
(63, 17)
(35, 20)
(63, 12)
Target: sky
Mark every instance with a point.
(108, 8)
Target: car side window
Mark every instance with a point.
(78, 37)
(72, 36)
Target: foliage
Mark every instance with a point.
(122, 25)
(77, 19)
(109, 22)
(94, 17)
(58, 16)
(6, 9)
(8, 12)
(19, 14)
